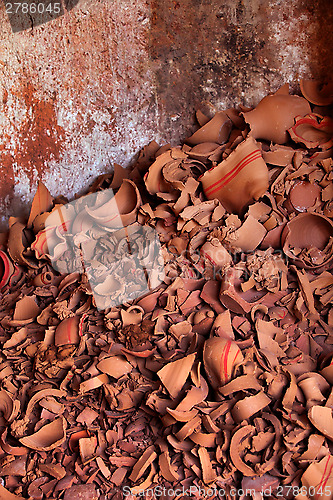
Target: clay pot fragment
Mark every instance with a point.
(47, 437)
(215, 130)
(307, 240)
(41, 203)
(220, 357)
(203, 151)
(322, 419)
(6, 269)
(115, 366)
(319, 93)
(245, 408)
(314, 131)
(67, 332)
(173, 375)
(274, 115)
(303, 195)
(43, 279)
(26, 310)
(119, 210)
(239, 179)
(247, 237)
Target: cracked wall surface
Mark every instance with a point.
(90, 88)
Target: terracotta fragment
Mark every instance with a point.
(167, 470)
(48, 437)
(303, 195)
(7, 495)
(6, 269)
(220, 357)
(321, 418)
(115, 366)
(317, 92)
(318, 476)
(307, 240)
(41, 203)
(239, 179)
(247, 407)
(274, 115)
(81, 492)
(67, 332)
(120, 210)
(143, 463)
(173, 375)
(313, 130)
(215, 130)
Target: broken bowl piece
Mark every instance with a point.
(26, 310)
(304, 195)
(317, 92)
(314, 131)
(6, 268)
(321, 418)
(307, 239)
(220, 357)
(119, 210)
(173, 375)
(115, 366)
(203, 151)
(274, 115)
(215, 253)
(47, 437)
(239, 179)
(247, 237)
(215, 130)
(67, 332)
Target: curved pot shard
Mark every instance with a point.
(314, 131)
(319, 93)
(274, 115)
(307, 239)
(239, 179)
(215, 130)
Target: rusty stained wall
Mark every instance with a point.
(92, 87)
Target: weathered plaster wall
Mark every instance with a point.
(92, 87)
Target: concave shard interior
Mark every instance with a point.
(175, 339)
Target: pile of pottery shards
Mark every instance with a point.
(170, 334)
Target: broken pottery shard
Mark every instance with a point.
(248, 237)
(239, 179)
(143, 463)
(303, 195)
(25, 312)
(317, 92)
(208, 474)
(7, 495)
(215, 130)
(318, 478)
(321, 418)
(115, 366)
(274, 115)
(313, 130)
(173, 375)
(41, 203)
(48, 437)
(220, 357)
(120, 210)
(247, 407)
(6, 268)
(307, 240)
(236, 449)
(67, 332)
(81, 492)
